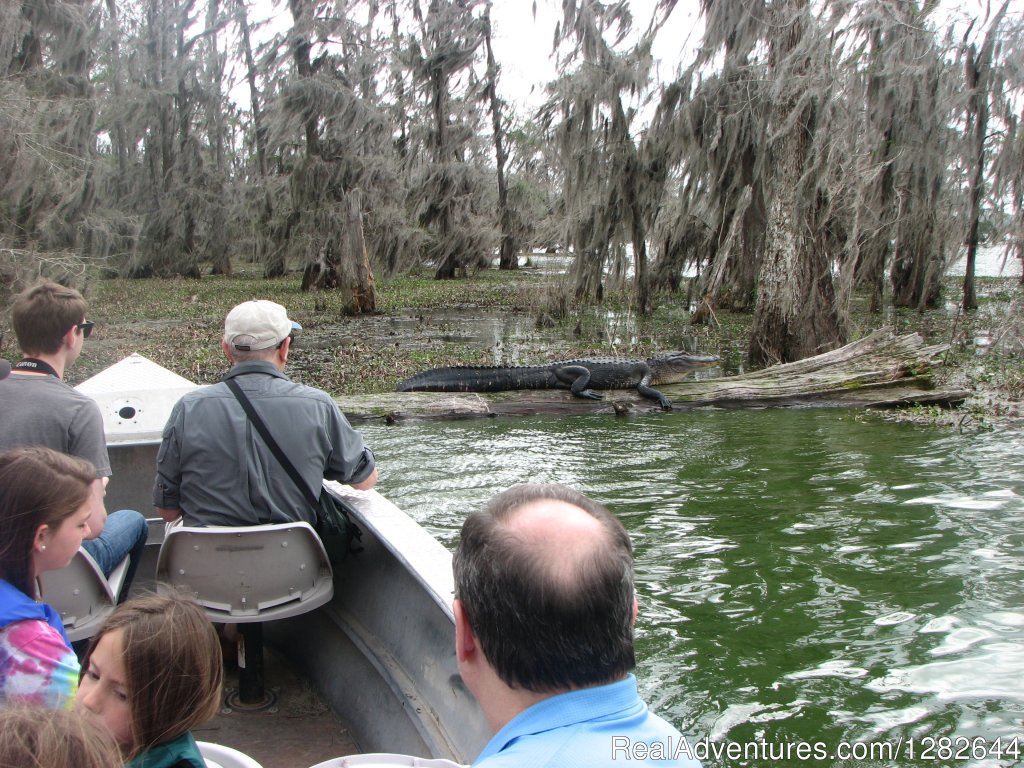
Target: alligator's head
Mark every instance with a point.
(676, 366)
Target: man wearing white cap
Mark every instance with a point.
(213, 468)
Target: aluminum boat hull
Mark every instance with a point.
(381, 653)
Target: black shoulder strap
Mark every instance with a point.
(271, 443)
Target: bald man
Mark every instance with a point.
(544, 610)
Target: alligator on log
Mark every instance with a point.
(581, 377)
(881, 370)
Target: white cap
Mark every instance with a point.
(255, 325)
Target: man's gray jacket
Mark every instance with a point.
(215, 467)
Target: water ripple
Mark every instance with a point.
(802, 575)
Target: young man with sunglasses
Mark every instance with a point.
(38, 408)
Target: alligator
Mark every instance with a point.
(581, 377)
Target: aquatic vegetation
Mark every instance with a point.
(497, 317)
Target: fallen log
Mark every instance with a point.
(878, 371)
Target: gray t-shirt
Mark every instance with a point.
(43, 410)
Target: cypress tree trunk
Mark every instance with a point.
(977, 69)
(507, 256)
(796, 313)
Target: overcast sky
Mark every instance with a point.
(522, 45)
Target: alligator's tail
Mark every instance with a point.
(478, 379)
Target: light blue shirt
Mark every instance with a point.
(607, 726)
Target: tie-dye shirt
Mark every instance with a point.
(37, 666)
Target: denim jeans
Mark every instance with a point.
(124, 533)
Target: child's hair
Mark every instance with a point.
(38, 486)
(34, 737)
(172, 664)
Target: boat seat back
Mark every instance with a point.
(219, 756)
(247, 574)
(81, 594)
(386, 760)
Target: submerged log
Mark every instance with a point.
(879, 371)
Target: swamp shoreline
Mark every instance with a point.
(512, 318)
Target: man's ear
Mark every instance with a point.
(68, 339)
(465, 641)
(227, 351)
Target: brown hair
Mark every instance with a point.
(538, 630)
(43, 313)
(34, 737)
(38, 486)
(172, 665)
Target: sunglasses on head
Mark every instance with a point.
(86, 328)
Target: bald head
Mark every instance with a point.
(545, 578)
(558, 536)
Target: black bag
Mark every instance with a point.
(335, 528)
(334, 523)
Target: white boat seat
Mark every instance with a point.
(219, 756)
(82, 595)
(386, 760)
(248, 574)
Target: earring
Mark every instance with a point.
(42, 547)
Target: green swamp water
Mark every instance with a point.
(808, 579)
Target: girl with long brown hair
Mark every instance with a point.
(46, 502)
(152, 674)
